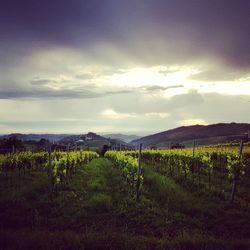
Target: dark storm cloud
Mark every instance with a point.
(160, 88)
(43, 92)
(148, 31)
(118, 92)
(47, 94)
(48, 20)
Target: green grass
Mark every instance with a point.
(164, 189)
(40, 239)
(196, 211)
(97, 210)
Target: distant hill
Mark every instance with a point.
(122, 137)
(83, 137)
(91, 140)
(210, 134)
(88, 140)
(35, 137)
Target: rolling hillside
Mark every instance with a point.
(215, 133)
(91, 140)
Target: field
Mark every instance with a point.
(80, 200)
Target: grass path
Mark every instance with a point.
(97, 210)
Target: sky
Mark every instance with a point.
(128, 66)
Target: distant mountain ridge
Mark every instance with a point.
(204, 134)
(122, 137)
(35, 137)
(90, 139)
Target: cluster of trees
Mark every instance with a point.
(13, 144)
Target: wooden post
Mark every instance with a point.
(138, 174)
(209, 179)
(67, 164)
(193, 148)
(236, 178)
(241, 148)
(13, 149)
(193, 152)
(193, 165)
(50, 171)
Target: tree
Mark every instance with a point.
(7, 145)
(104, 150)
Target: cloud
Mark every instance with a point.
(96, 71)
(40, 82)
(220, 73)
(111, 114)
(157, 87)
(86, 76)
(162, 31)
(6, 129)
(140, 59)
(118, 92)
(53, 93)
(189, 122)
(157, 114)
(169, 70)
(44, 88)
(83, 115)
(47, 93)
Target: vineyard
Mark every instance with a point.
(219, 172)
(60, 166)
(136, 199)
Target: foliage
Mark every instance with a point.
(63, 164)
(128, 165)
(207, 169)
